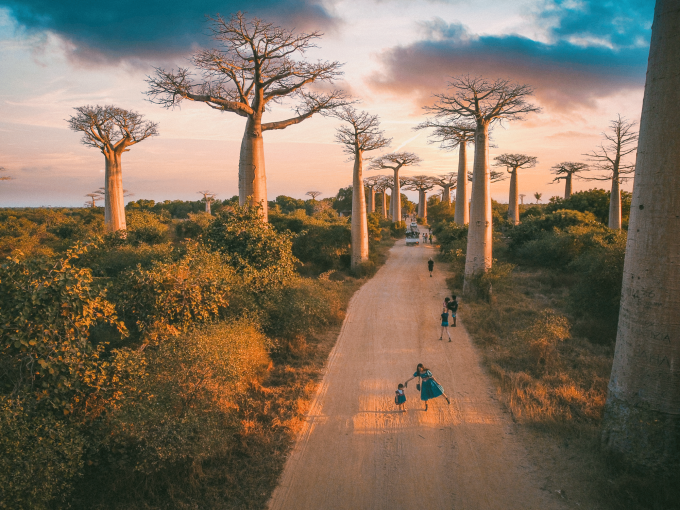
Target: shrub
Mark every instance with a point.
(534, 228)
(252, 247)
(323, 245)
(542, 337)
(194, 227)
(595, 201)
(398, 229)
(145, 227)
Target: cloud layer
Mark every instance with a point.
(593, 52)
(126, 29)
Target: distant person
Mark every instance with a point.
(430, 266)
(430, 236)
(452, 306)
(429, 387)
(400, 398)
(445, 324)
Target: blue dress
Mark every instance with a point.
(400, 398)
(429, 388)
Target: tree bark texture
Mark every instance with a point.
(642, 413)
(462, 214)
(567, 186)
(114, 205)
(478, 256)
(207, 206)
(513, 202)
(396, 198)
(384, 204)
(446, 195)
(359, 220)
(252, 181)
(371, 199)
(615, 204)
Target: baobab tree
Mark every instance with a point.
(538, 196)
(447, 182)
(113, 131)
(475, 99)
(513, 162)
(313, 194)
(608, 157)
(384, 183)
(370, 183)
(521, 198)
(93, 198)
(566, 171)
(395, 161)
(422, 184)
(451, 136)
(256, 65)
(360, 133)
(641, 420)
(208, 198)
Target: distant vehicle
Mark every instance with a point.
(414, 225)
(413, 237)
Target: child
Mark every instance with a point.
(400, 399)
(453, 307)
(445, 324)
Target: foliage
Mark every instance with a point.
(253, 248)
(398, 229)
(533, 228)
(438, 212)
(195, 226)
(112, 259)
(39, 457)
(170, 297)
(343, 200)
(145, 227)
(595, 201)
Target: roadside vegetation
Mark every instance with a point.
(545, 318)
(171, 362)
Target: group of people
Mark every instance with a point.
(427, 236)
(428, 386)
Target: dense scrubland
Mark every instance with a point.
(172, 362)
(545, 318)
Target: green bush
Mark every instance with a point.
(398, 229)
(195, 226)
(110, 260)
(40, 456)
(145, 227)
(595, 201)
(325, 245)
(533, 228)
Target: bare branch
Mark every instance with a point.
(494, 176)
(449, 180)
(620, 141)
(515, 161)
(361, 131)
(312, 103)
(568, 168)
(449, 136)
(419, 183)
(395, 161)
(313, 194)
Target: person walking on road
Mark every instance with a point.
(400, 399)
(430, 266)
(452, 306)
(445, 324)
(429, 387)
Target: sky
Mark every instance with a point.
(585, 59)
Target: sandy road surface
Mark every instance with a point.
(357, 452)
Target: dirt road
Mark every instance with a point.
(357, 452)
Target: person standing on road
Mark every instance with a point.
(452, 306)
(430, 266)
(445, 324)
(429, 387)
(400, 398)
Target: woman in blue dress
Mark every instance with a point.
(429, 387)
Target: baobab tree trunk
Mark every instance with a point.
(207, 206)
(396, 198)
(478, 256)
(422, 206)
(446, 195)
(642, 413)
(567, 187)
(359, 220)
(371, 199)
(114, 205)
(615, 204)
(462, 214)
(384, 204)
(252, 181)
(513, 202)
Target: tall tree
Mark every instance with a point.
(641, 419)
(566, 171)
(620, 141)
(448, 182)
(360, 133)
(451, 136)
(538, 197)
(113, 131)
(371, 183)
(313, 194)
(395, 161)
(513, 162)
(256, 65)
(381, 187)
(208, 198)
(483, 102)
(93, 198)
(422, 184)
(521, 198)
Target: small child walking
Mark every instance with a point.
(452, 305)
(445, 324)
(400, 399)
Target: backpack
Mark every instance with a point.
(453, 306)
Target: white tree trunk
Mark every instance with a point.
(478, 256)
(513, 202)
(615, 205)
(114, 204)
(207, 206)
(567, 186)
(396, 198)
(371, 199)
(642, 412)
(252, 181)
(424, 207)
(359, 220)
(446, 195)
(384, 204)
(462, 214)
